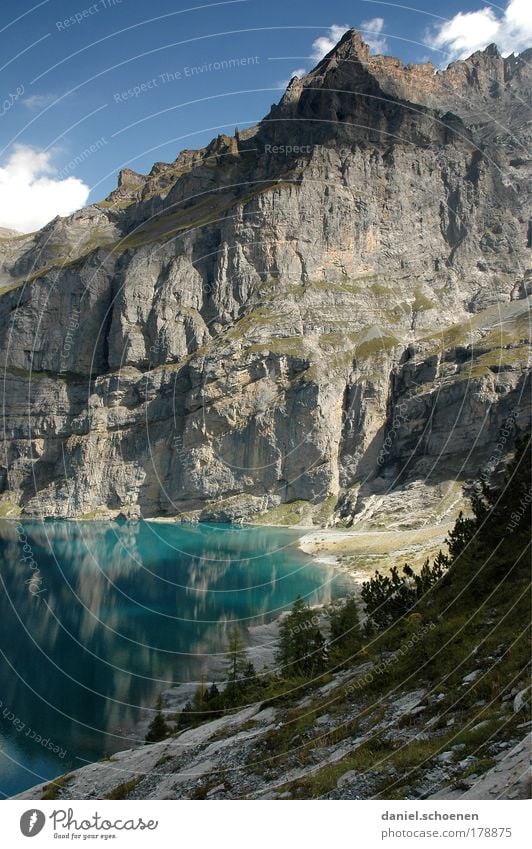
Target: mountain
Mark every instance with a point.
(325, 316)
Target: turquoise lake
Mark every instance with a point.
(117, 613)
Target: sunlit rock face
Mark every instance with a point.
(331, 307)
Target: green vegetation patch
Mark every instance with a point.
(422, 302)
(53, 789)
(9, 508)
(291, 513)
(123, 790)
(324, 510)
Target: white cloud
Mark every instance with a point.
(325, 43)
(38, 102)
(299, 72)
(371, 30)
(29, 197)
(466, 32)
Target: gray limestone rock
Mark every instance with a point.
(344, 324)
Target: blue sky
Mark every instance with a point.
(88, 88)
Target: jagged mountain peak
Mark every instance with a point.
(484, 73)
(350, 47)
(362, 247)
(350, 89)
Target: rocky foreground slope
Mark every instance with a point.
(328, 308)
(428, 697)
(335, 743)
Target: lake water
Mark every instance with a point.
(118, 612)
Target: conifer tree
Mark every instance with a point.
(301, 649)
(236, 664)
(158, 729)
(346, 635)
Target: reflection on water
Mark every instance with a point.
(126, 610)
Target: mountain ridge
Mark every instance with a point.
(237, 330)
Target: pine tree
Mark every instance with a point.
(346, 635)
(158, 729)
(236, 664)
(249, 677)
(388, 597)
(459, 537)
(199, 699)
(428, 575)
(301, 649)
(511, 504)
(186, 717)
(213, 693)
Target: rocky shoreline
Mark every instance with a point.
(232, 757)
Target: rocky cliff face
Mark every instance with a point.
(331, 307)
